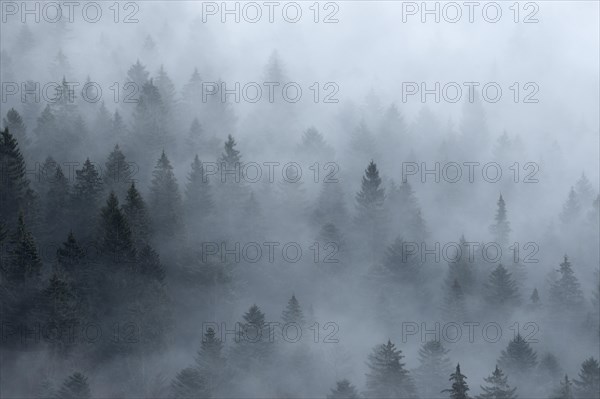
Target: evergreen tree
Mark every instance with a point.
(210, 361)
(166, 88)
(136, 213)
(14, 123)
(231, 156)
(313, 145)
(150, 121)
(75, 387)
(46, 128)
(85, 198)
(405, 212)
(571, 209)
(454, 306)
(195, 139)
(165, 201)
(15, 192)
(501, 229)
(433, 368)
(519, 359)
(115, 234)
(535, 297)
(189, 384)
(370, 201)
(461, 269)
(588, 384)
(117, 174)
(138, 75)
(148, 264)
(548, 369)
(584, 191)
(565, 390)
(56, 212)
(404, 265)
(459, 385)
(565, 293)
(253, 340)
(344, 390)
(330, 206)
(502, 290)
(498, 387)
(293, 312)
(387, 377)
(198, 196)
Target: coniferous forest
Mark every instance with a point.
(198, 202)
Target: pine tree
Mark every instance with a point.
(15, 192)
(330, 206)
(502, 290)
(136, 213)
(387, 377)
(195, 139)
(501, 229)
(588, 384)
(433, 368)
(61, 311)
(148, 264)
(231, 157)
(584, 190)
(165, 201)
(459, 385)
(167, 92)
(210, 361)
(454, 306)
(138, 75)
(151, 121)
(535, 297)
(14, 123)
(253, 340)
(313, 145)
(404, 266)
(498, 387)
(115, 235)
(198, 196)
(75, 387)
(293, 312)
(85, 198)
(370, 201)
(565, 293)
(571, 209)
(56, 213)
(461, 268)
(189, 384)
(344, 390)
(565, 390)
(519, 359)
(118, 172)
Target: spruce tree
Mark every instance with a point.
(137, 216)
(165, 200)
(189, 384)
(150, 121)
(387, 376)
(117, 173)
(138, 75)
(404, 266)
(198, 196)
(588, 384)
(56, 212)
(195, 139)
(501, 228)
(60, 307)
(14, 123)
(313, 145)
(584, 191)
(564, 390)
(210, 361)
(86, 197)
(565, 293)
(461, 268)
(519, 359)
(535, 297)
(369, 204)
(15, 192)
(293, 313)
(115, 235)
(459, 387)
(149, 265)
(330, 206)
(502, 291)
(74, 387)
(454, 306)
(497, 387)
(571, 209)
(548, 369)
(344, 390)
(434, 366)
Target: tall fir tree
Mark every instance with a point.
(454, 305)
(571, 209)
(501, 228)
(588, 384)
(138, 218)
(211, 363)
(115, 235)
(117, 173)
(497, 387)
(519, 359)
(565, 293)
(165, 200)
(15, 125)
(344, 390)
(502, 292)
(584, 191)
(293, 312)
(369, 206)
(387, 376)
(56, 209)
(198, 195)
(434, 367)
(564, 390)
(85, 199)
(189, 384)
(459, 387)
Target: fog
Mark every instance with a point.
(300, 200)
